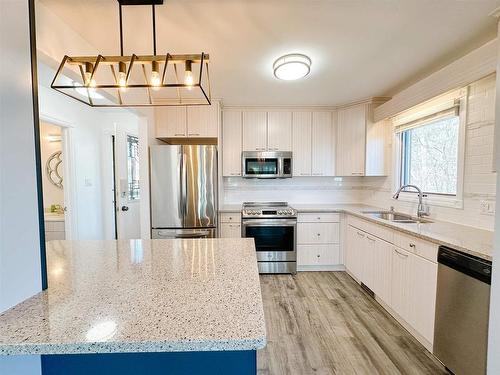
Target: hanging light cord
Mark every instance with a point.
(154, 29)
(121, 29)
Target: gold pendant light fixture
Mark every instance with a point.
(135, 80)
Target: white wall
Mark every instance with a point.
(20, 268)
(494, 324)
(146, 138)
(479, 180)
(19, 232)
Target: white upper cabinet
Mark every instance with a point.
(301, 143)
(232, 143)
(187, 122)
(170, 122)
(279, 131)
(361, 143)
(202, 121)
(323, 144)
(254, 131)
(351, 141)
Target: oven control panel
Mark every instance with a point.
(282, 212)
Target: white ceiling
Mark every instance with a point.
(359, 48)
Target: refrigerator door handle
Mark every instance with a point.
(180, 208)
(184, 187)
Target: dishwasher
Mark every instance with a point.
(462, 311)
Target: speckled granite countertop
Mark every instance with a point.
(470, 240)
(141, 296)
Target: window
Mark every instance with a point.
(429, 154)
(133, 167)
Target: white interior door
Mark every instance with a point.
(127, 183)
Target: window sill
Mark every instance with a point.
(434, 200)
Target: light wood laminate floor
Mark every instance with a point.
(323, 323)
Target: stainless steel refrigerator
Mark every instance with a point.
(183, 191)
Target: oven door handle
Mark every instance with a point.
(269, 223)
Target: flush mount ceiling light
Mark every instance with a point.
(292, 66)
(135, 80)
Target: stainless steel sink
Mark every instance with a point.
(396, 217)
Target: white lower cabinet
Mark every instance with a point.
(230, 230)
(405, 280)
(423, 281)
(401, 283)
(230, 225)
(382, 262)
(354, 258)
(318, 245)
(317, 255)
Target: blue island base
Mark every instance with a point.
(171, 363)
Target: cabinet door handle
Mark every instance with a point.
(370, 238)
(317, 174)
(360, 234)
(357, 173)
(193, 134)
(318, 256)
(400, 253)
(412, 245)
(235, 174)
(318, 234)
(179, 135)
(305, 174)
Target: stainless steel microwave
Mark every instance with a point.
(266, 164)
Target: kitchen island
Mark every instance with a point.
(143, 306)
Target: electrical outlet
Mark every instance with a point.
(487, 207)
(484, 207)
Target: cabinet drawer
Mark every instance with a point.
(230, 217)
(425, 249)
(376, 230)
(54, 226)
(230, 230)
(318, 255)
(319, 217)
(50, 236)
(317, 233)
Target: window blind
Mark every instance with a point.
(441, 114)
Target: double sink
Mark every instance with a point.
(396, 217)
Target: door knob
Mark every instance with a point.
(124, 208)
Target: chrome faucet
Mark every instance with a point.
(421, 211)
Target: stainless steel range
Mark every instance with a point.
(273, 225)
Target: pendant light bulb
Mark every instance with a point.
(89, 69)
(188, 75)
(155, 74)
(122, 74)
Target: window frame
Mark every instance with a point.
(127, 135)
(436, 199)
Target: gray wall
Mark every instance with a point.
(19, 233)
